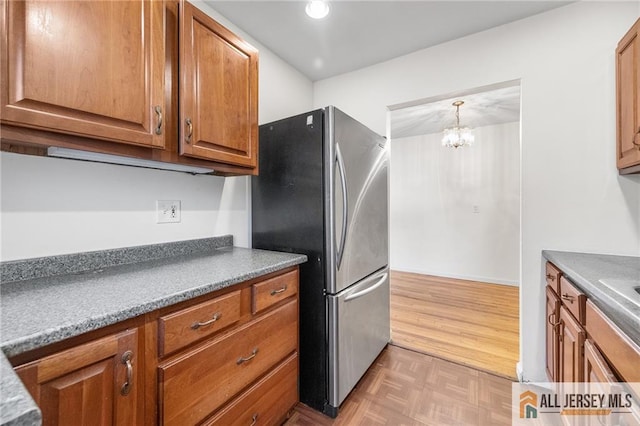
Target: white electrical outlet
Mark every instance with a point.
(168, 211)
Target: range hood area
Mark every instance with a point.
(76, 154)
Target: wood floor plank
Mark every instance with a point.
(469, 322)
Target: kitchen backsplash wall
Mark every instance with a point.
(53, 206)
(572, 196)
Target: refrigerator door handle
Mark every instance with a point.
(345, 200)
(367, 290)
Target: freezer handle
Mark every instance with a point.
(367, 290)
(345, 200)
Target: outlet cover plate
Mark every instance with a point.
(168, 211)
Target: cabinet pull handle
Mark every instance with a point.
(249, 358)
(551, 277)
(553, 322)
(197, 325)
(254, 419)
(189, 124)
(282, 290)
(636, 138)
(126, 360)
(567, 297)
(560, 331)
(158, 110)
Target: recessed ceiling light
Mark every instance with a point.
(317, 9)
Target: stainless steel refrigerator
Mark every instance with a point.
(323, 191)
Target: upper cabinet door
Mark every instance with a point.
(628, 98)
(219, 88)
(90, 68)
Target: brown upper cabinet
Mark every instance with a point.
(155, 80)
(628, 101)
(92, 69)
(219, 93)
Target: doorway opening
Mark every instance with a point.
(455, 228)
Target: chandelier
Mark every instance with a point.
(457, 136)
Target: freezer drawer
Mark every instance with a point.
(358, 331)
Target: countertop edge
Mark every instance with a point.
(46, 337)
(611, 305)
(17, 408)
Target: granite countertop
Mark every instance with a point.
(590, 272)
(47, 300)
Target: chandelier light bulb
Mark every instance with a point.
(317, 9)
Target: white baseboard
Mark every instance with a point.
(491, 280)
(519, 372)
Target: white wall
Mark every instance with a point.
(572, 196)
(456, 212)
(53, 206)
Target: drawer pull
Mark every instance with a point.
(249, 358)
(126, 360)
(197, 325)
(551, 277)
(569, 298)
(254, 419)
(281, 290)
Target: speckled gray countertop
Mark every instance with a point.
(73, 294)
(588, 271)
(16, 406)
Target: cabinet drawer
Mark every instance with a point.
(573, 299)
(623, 354)
(271, 291)
(552, 276)
(266, 402)
(184, 327)
(196, 384)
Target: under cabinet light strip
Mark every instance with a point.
(125, 161)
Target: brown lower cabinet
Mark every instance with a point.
(96, 383)
(553, 339)
(584, 345)
(209, 360)
(571, 348)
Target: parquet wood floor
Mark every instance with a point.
(469, 322)
(404, 387)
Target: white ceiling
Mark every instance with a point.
(483, 108)
(357, 34)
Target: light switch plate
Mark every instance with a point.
(168, 211)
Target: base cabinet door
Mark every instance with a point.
(97, 383)
(553, 322)
(571, 345)
(92, 69)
